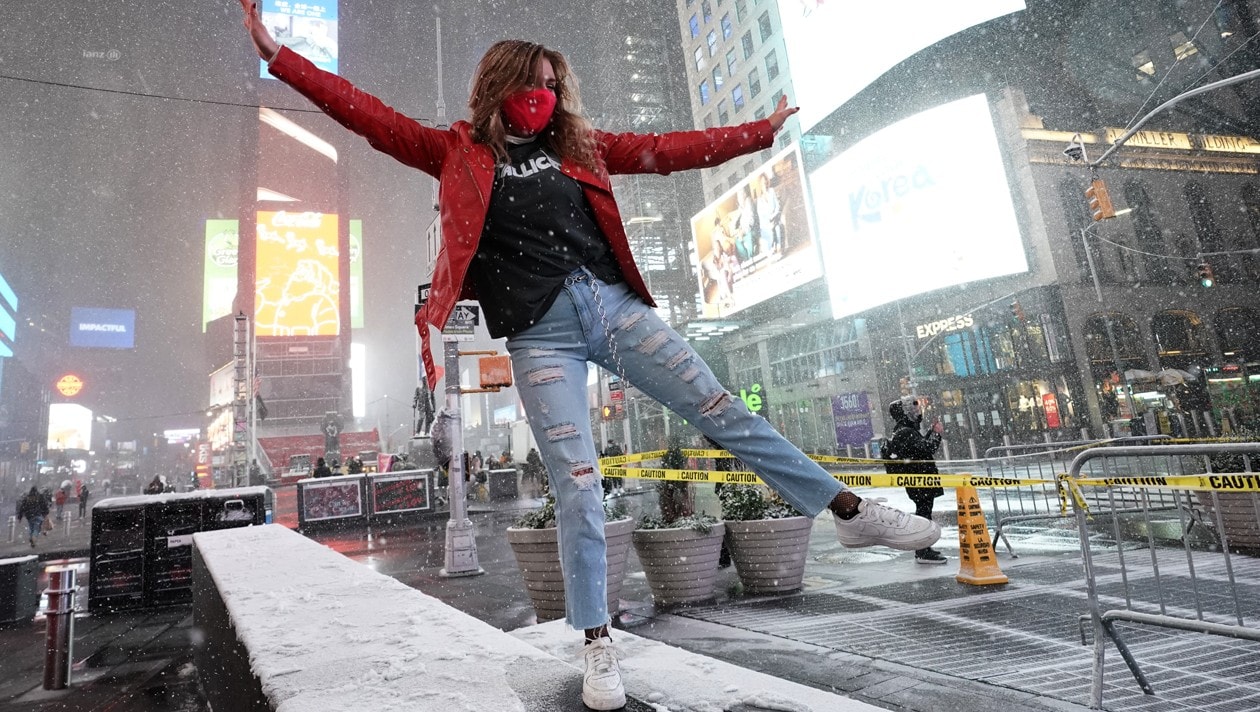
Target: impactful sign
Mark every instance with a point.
(102, 328)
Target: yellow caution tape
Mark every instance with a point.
(1221, 482)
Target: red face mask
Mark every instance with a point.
(528, 112)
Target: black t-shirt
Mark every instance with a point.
(539, 229)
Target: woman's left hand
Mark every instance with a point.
(781, 113)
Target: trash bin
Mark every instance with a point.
(502, 484)
(18, 597)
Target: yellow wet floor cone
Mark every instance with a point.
(977, 562)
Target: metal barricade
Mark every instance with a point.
(1039, 461)
(1145, 564)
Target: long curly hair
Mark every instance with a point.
(506, 68)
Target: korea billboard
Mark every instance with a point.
(219, 272)
(308, 28)
(69, 427)
(297, 290)
(102, 328)
(897, 211)
(757, 240)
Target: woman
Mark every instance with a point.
(769, 216)
(530, 229)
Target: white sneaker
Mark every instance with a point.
(601, 685)
(879, 524)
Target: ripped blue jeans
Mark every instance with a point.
(609, 325)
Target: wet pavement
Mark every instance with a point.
(868, 623)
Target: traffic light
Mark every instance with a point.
(1206, 278)
(1017, 311)
(1099, 199)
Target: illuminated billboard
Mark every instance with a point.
(219, 273)
(69, 427)
(103, 328)
(356, 274)
(308, 28)
(835, 49)
(756, 241)
(898, 212)
(8, 318)
(297, 289)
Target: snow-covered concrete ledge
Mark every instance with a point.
(290, 625)
(674, 680)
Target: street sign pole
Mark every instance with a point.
(461, 542)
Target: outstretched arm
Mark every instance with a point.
(683, 150)
(389, 131)
(264, 43)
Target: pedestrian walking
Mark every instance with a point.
(84, 493)
(532, 231)
(59, 500)
(34, 509)
(910, 452)
(155, 486)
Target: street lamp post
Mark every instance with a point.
(1111, 336)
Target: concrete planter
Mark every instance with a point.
(538, 557)
(680, 564)
(769, 554)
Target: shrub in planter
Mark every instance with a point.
(768, 539)
(1239, 512)
(536, 546)
(678, 549)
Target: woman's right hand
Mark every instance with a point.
(264, 44)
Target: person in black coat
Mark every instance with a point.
(321, 469)
(910, 452)
(34, 509)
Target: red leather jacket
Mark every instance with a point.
(465, 170)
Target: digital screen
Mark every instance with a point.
(103, 328)
(756, 241)
(899, 212)
(852, 412)
(8, 318)
(308, 28)
(297, 290)
(69, 427)
(406, 493)
(219, 273)
(356, 274)
(332, 500)
(835, 49)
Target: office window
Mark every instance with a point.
(747, 41)
(774, 100)
(699, 58)
(694, 22)
(727, 28)
(706, 9)
(760, 113)
(754, 83)
(772, 65)
(717, 78)
(737, 96)
(708, 121)
(712, 40)
(690, 3)
(741, 9)
(731, 62)
(704, 92)
(723, 115)
(764, 26)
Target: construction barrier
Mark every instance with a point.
(1192, 569)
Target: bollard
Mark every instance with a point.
(12, 528)
(65, 518)
(59, 641)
